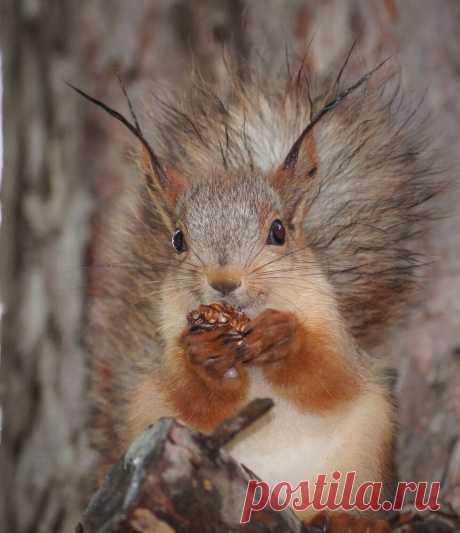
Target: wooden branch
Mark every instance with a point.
(187, 480)
(446, 520)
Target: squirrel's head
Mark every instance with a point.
(235, 243)
(238, 238)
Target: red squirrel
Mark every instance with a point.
(300, 211)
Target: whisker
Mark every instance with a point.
(197, 256)
(186, 266)
(294, 284)
(287, 270)
(281, 257)
(251, 260)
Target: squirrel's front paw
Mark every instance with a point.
(214, 351)
(270, 337)
(213, 341)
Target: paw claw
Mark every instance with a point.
(231, 373)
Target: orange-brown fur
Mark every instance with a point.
(306, 359)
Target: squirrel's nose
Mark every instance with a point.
(225, 286)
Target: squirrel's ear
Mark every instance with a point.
(169, 188)
(291, 177)
(301, 162)
(163, 189)
(163, 186)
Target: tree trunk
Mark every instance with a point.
(65, 167)
(46, 205)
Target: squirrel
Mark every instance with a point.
(302, 212)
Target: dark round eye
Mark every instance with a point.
(277, 233)
(178, 241)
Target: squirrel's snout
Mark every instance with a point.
(225, 286)
(224, 281)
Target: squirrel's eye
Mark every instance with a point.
(277, 233)
(178, 241)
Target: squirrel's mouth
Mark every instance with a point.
(250, 306)
(250, 312)
(250, 302)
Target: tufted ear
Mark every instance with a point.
(292, 176)
(173, 185)
(301, 162)
(163, 185)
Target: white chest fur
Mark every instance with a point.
(288, 445)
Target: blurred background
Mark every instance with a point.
(65, 166)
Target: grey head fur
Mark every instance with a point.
(222, 218)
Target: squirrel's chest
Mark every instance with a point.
(287, 445)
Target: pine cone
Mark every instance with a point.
(217, 315)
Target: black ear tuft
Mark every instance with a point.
(134, 128)
(291, 159)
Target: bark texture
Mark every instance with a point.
(65, 166)
(186, 479)
(46, 204)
